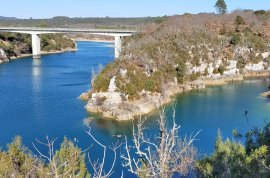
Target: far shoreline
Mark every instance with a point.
(93, 40)
(43, 53)
(59, 51)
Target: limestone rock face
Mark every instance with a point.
(265, 55)
(3, 56)
(123, 72)
(255, 67)
(214, 70)
(231, 69)
(112, 86)
(112, 105)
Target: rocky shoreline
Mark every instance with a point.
(111, 105)
(42, 53)
(265, 94)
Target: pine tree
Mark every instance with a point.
(221, 6)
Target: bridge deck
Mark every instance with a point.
(65, 30)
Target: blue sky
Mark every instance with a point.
(117, 8)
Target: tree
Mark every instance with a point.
(165, 156)
(233, 159)
(69, 161)
(18, 161)
(221, 7)
(239, 20)
(98, 166)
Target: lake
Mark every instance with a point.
(39, 97)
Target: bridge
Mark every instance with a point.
(118, 34)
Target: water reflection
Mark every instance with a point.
(36, 75)
(120, 129)
(110, 127)
(36, 87)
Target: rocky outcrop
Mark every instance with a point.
(115, 105)
(153, 64)
(265, 94)
(3, 56)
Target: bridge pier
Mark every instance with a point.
(35, 32)
(35, 46)
(118, 46)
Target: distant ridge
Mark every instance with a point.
(8, 18)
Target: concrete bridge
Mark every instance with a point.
(35, 32)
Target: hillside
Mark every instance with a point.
(14, 45)
(178, 54)
(78, 22)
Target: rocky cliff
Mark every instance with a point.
(179, 54)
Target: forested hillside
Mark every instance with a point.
(78, 22)
(182, 52)
(15, 45)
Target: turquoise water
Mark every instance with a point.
(39, 98)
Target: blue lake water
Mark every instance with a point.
(39, 98)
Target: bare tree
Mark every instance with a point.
(99, 166)
(50, 157)
(165, 157)
(69, 161)
(93, 76)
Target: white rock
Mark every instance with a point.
(255, 67)
(218, 63)
(123, 72)
(210, 69)
(265, 55)
(112, 86)
(112, 98)
(243, 50)
(2, 53)
(200, 68)
(216, 76)
(231, 69)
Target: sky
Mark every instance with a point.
(117, 8)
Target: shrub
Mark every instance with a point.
(100, 100)
(194, 76)
(195, 60)
(102, 81)
(239, 20)
(215, 71)
(149, 85)
(240, 63)
(221, 69)
(235, 39)
(260, 12)
(181, 72)
(255, 59)
(206, 72)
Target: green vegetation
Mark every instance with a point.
(233, 159)
(239, 20)
(221, 69)
(94, 22)
(235, 39)
(166, 50)
(19, 161)
(262, 13)
(15, 44)
(230, 158)
(56, 42)
(221, 6)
